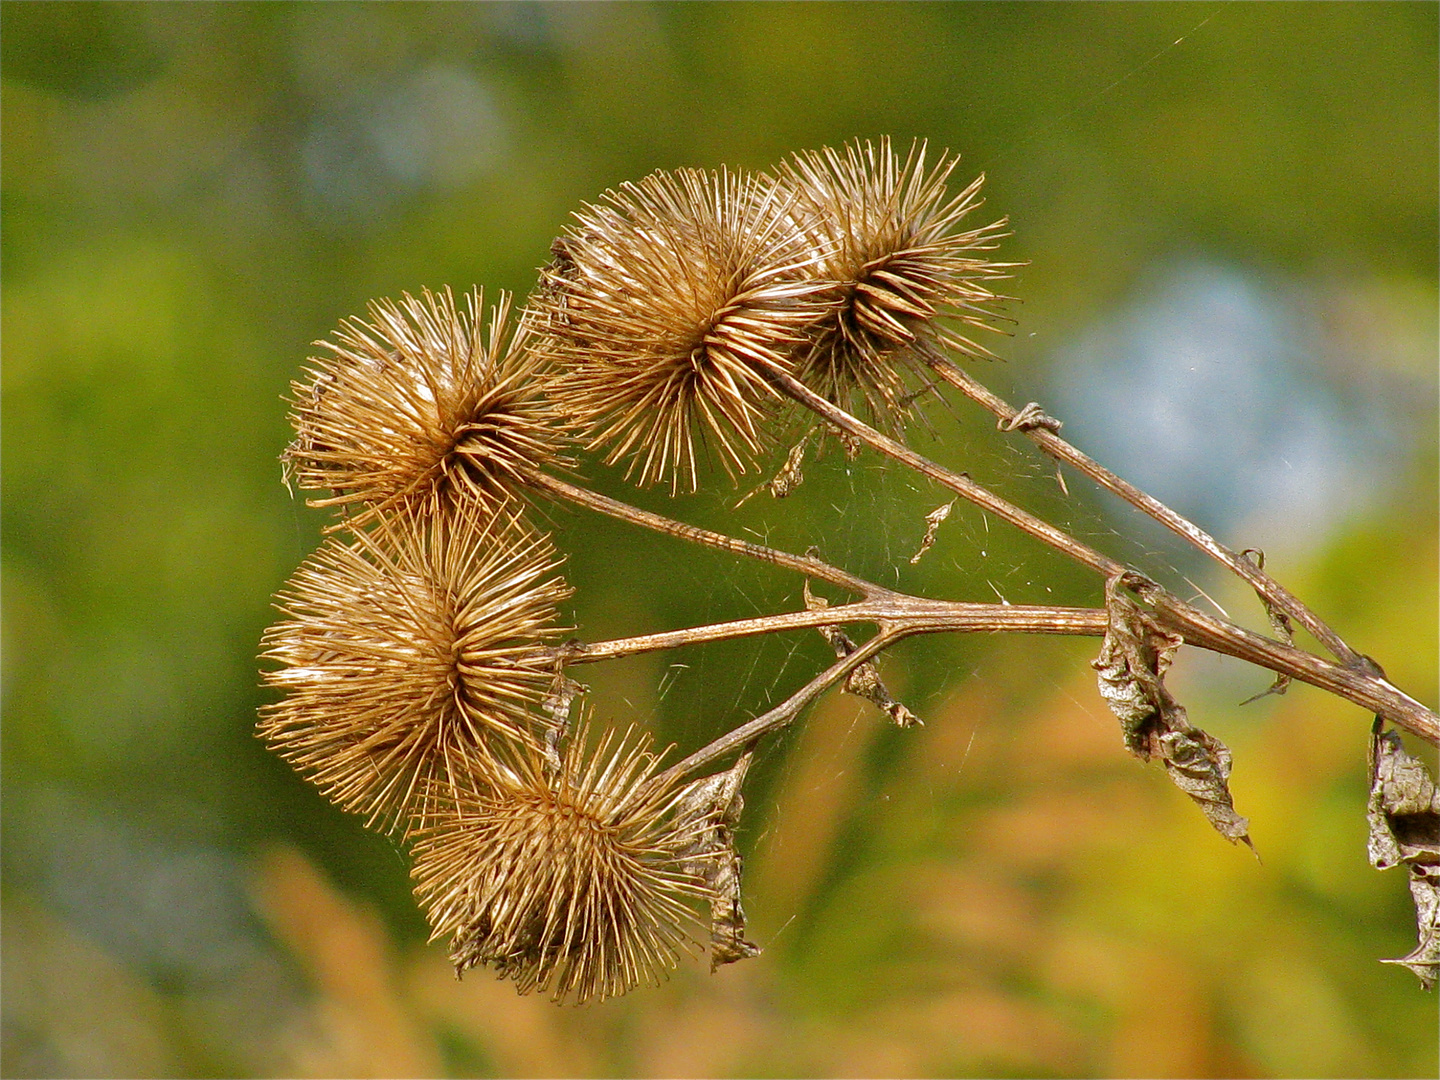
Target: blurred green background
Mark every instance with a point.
(1228, 217)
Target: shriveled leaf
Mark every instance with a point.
(932, 526)
(1404, 816)
(1133, 660)
(790, 477)
(561, 696)
(1029, 418)
(864, 681)
(787, 479)
(556, 706)
(713, 858)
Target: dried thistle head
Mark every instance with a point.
(425, 400)
(888, 236)
(665, 305)
(573, 880)
(410, 655)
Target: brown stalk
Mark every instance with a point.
(1362, 682)
(903, 616)
(913, 613)
(959, 483)
(1372, 692)
(1045, 437)
(1366, 688)
(804, 564)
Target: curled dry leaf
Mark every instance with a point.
(1404, 816)
(711, 857)
(1132, 663)
(556, 706)
(790, 477)
(1029, 418)
(932, 526)
(864, 681)
(787, 479)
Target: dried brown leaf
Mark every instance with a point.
(932, 526)
(1404, 816)
(1030, 417)
(864, 680)
(790, 477)
(1133, 660)
(712, 858)
(787, 479)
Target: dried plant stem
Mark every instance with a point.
(1360, 681)
(1052, 444)
(785, 712)
(804, 564)
(908, 613)
(903, 616)
(1375, 695)
(1368, 689)
(959, 483)
(898, 615)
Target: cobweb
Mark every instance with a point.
(869, 516)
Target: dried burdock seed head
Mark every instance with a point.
(888, 235)
(665, 305)
(424, 400)
(410, 655)
(574, 880)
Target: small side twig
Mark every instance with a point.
(1279, 622)
(1357, 678)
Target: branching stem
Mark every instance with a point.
(1367, 688)
(906, 615)
(781, 714)
(1355, 678)
(1363, 682)
(1375, 695)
